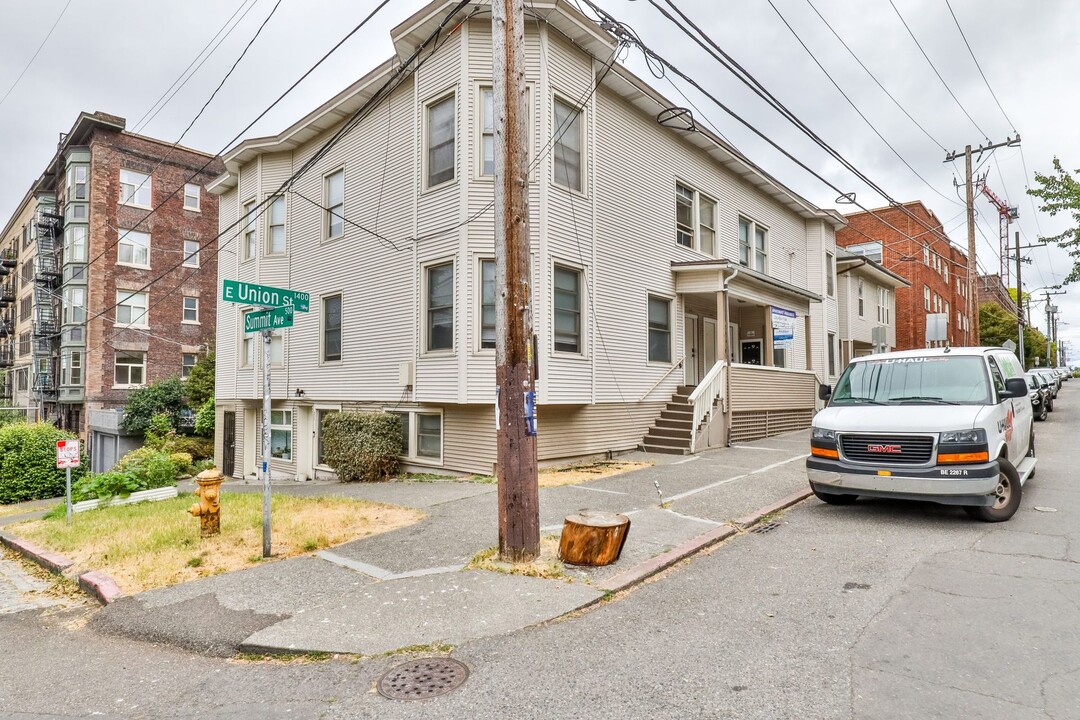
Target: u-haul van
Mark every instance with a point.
(947, 425)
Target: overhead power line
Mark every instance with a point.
(36, 52)
(977, 65)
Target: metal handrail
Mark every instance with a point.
(663, 377)
(704, 397)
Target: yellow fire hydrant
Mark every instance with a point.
(209, 506)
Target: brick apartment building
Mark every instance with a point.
(93, 243)
(935, 268)
(992, 290)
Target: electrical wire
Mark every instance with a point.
(977, 65)
(36, 52)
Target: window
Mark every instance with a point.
(76, 182)
(25, 306)
(752, 253)
(191, 196)
(883, 306)
(74, 305)
(926, 255)
(567, 146)
(406, 434)
(276, 232)
(252, 345)
(659, 329)
(334, 194)
(187, 364)
(75, 243)
(487, 131)
(945, 271)
(247, 349)
(779, 356)
(429, 435)
(129, 368)
(281, 434)
(440, 307)
(487, 304)
(22, 378)
(440, 141)
(250, 242)
(859, 290)
(191, 253)
(71, 367)
(331, 334)
(926, 297)
(24, 344)
(832, 354)
(870, 250)
(133, 248)
(948, 312)
(134, 188)
(567, 310)
(131, 308)
(830, 278)
(684, 216)
(707, 225)
(191, 309)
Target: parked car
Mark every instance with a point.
(1045, 387)
(1040, 398)
(947, 425)
(1054, 380)
(1065, 374)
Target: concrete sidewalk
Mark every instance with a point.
(408, 588)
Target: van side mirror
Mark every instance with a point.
(824, 392)
(1015, 387)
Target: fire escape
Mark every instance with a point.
(50, 227)
(8, 260)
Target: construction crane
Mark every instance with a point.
(1006, 215)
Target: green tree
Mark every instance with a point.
(1060, 193)
(163, 397)
(200, 382)
(996, 326)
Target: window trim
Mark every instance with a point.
(195, 255)
(198, 197)
(315, 410)
(189, 368)
(425, 327)
(120, 242)
(478, 310)
(752, 227)
(325, 233)
(256, 356)
(425, 108)
(340, 294)
(145, 314)
(830, 274)
(583, 134)
(670, 300)
(582, 309)
(120, 386)
(859, 297)
(282, 427)
(248, 225)
(411, 457)
(268, 251)
(148, 184)
(478, 140)
(831, 364)
(184, 309)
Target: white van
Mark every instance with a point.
(948, 425)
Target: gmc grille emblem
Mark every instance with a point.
(890, 449)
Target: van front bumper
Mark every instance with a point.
(946, 484)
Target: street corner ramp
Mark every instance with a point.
(449, 608)
(200, 624)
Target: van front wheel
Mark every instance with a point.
(832, 499)
(1006, 496)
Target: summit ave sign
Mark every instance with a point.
(252, 294)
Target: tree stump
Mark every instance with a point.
(593, 538)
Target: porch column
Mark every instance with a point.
(767, 345)
(809, 343)
(723, 354)
(721, 326)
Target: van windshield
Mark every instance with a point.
(938, 380)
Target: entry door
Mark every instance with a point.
(228, 455)
(733, 342)
(709, 351)
(690, 349)
(751, 352)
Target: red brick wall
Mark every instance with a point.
(169, 226)
(903, 240)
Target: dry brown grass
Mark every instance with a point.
(575, 474)
(547, 566)
(149, 545)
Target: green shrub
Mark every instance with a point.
(105, 485)
(204, 418)
(199, 465)
(198, 447)
(199, 385)
(10, 416)
(151, 468)
(28, 462)
(165, 396)
(362, 446)
(159, 431)
(182, 462)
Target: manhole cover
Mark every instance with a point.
(425, 678)
(765, 527)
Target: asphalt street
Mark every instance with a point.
(875, 610)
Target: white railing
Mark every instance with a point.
(663, 377)
(704, 397)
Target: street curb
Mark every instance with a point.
(639, 573)
(100, 586)
(756, 516)
(53, 562)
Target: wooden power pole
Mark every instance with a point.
(515, 422)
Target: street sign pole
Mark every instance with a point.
(68, 493)
(68, 455)
(267, 335)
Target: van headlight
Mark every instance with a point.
(975, 435)
(822, 434)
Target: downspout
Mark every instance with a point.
(727, 362)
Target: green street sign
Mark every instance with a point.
(252, 294)
(273, 319)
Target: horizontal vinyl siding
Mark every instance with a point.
(755, 388)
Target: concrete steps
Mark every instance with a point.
(670, 433)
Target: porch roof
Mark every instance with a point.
(726, 269)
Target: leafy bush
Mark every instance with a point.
(182, 462)
(158, 431)
(199, 386)
(199, 465)
(10, 416)
(362, 446)
(105, 485)
(199, 448)
(28, 462)
(151, 468)
(165, 396)
(204, 418)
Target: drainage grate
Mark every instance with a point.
(424, 678)
(765, 527)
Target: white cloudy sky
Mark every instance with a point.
(119, 56)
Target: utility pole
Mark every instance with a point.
(972, 270)
(515, 419)
(1020, 303)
